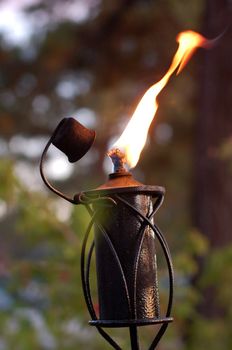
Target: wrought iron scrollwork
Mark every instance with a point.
(86, 256)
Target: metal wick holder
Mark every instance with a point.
(125, 237)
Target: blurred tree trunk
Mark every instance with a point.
(213, 168)
(213, 199)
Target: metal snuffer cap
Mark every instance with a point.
(73, 139)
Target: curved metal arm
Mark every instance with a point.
(74, 140)
(45, 180)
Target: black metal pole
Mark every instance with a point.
(134, 338)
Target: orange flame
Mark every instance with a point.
(133, 138)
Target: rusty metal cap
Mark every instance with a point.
(73, 139)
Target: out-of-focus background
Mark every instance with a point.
(93, 60)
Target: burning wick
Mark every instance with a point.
(127, 149)
(118, 159)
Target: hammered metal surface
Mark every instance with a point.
(125, 231)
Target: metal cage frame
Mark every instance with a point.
(86, 256)
(110, 197)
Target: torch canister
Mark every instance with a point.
(126, 252)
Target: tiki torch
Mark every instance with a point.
(122, 212)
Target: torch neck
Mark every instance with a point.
(119, 174)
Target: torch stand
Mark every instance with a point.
(124, 240)
(125, 237)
